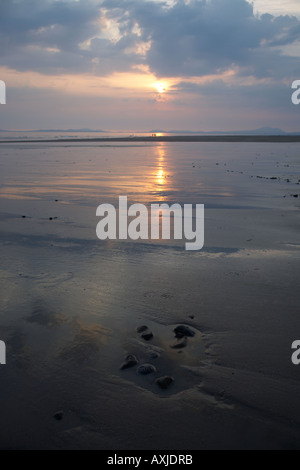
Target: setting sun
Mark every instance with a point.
(161, 87)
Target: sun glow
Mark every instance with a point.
(161, 87)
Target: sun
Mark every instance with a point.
(161, 87)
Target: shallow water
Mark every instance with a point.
(70, 303)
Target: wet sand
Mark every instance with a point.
(172, 138)
(71, 304)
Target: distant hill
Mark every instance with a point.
(260, 131)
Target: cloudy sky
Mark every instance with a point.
(149, 64)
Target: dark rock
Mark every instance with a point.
(179, 343)
(58, 415)
(181, 331)
(152, 354)
(147, 336)
(146, 369)
(164, 382)
(130, 361)
(145, 333)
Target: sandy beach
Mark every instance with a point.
(71, 304)
(288, 138)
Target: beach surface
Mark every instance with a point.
(154, 138)
(71, 305)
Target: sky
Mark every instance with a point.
(199, 65)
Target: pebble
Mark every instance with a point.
(146, 369)
(145, 333)
(147, 336)
(130, 361)
(152, 354)
(181, 331)
(58, 415)
(164, 382)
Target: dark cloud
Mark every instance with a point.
(204, 37)
(188, 39)
(47, 36)
(46, 23)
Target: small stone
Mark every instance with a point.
(152, 354)
(130, 361)
(146, 369)
(145, 333)
(164, 382)
(181, 331)
(147, 336)
(58, 415)
(179, 343)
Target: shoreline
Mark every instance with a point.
(188, 138)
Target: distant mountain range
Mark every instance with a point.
(260, 131)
